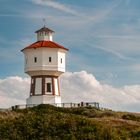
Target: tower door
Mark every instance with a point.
(48, 85)
(49, 89)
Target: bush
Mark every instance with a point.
(135, 134)
(131, 117)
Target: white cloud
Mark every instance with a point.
(112, 52)
(55, 5)
(75, 87)
(81, 86)
(13, 90)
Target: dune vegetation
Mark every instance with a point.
(46, 122)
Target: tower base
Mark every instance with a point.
(43, 99)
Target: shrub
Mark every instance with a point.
(131, 117)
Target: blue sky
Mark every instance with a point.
(103, 36)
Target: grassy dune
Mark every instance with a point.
(45, 122)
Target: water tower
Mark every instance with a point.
(44, 63)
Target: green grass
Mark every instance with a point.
(46, 122)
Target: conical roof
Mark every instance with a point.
(44, 29)
(45, 44)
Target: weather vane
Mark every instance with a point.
(44, 22)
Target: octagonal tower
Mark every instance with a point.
(44, 62)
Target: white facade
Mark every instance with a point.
(42, 63)
(44, 99)
(38, 86)
(56, 87)
(50, 85)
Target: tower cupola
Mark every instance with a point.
(44, 34)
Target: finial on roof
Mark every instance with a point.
(44, 22)
(44, 28)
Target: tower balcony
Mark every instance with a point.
(56, 71)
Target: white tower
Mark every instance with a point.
(44, 62)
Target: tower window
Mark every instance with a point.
(35, 59)
(50, 59)
(61, 60)
(48, 87)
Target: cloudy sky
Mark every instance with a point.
(103, 37)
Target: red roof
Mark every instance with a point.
(46, 44)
